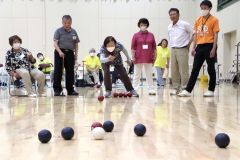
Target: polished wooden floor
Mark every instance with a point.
(177, 128)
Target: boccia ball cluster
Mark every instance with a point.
(99, 130)
(122, 94)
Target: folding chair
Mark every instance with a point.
(4, 77)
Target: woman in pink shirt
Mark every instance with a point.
(143, 54)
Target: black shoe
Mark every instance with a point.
(59, 94)
(73, 93)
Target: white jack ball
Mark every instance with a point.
(98, 133)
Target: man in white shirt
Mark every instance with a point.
(180, 36)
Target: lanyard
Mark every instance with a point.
(204, 22)
(145, 36)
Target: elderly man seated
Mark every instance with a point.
(93, 65)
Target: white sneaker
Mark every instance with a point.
(108, 94)
(184, 93)
(32, 95)
(151, 92)
(43, 95)
(173, 92)
(208, 94)
(20, 92)
(114, 85)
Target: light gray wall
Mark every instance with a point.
(35, 21)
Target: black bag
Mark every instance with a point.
(80, 83)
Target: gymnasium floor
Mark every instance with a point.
(177, 128)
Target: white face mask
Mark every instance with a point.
(205, 12)
(111, 49)
(92, 54)
(143, 28)
(40, 58)
(16, 45)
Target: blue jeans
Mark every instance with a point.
(160, 80)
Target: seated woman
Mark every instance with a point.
(110, 54)
(19, 64)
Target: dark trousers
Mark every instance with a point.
(100, 73)
(68, 64)
(115, 76)
(202, 54)
(123, 77)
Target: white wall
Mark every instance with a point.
(36, 20)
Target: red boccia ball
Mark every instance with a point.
(115, 95)
(96, 124)
(100, 98)
(120, 94)
(129, 94)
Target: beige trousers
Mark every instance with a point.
(28, 75)
(148, 68)
(179, 68)
(95, 76)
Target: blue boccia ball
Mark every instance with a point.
(67, 133)
(140, 130)
(108, 126)
(44, 136)
(222, 140)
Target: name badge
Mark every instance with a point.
(145, 46)
(111, 68)
(74, 37)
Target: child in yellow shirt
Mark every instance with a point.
(162, 60)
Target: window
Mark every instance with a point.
(225, 3)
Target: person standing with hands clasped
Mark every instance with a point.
(205, 45)
(66, 50)
(143, 55)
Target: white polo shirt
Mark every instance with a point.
(180, 34)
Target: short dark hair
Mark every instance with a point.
(173, 10)
(143, 21)
(206, 3)
(13, 38)
(67, 17)
(160, 44)
(109, 39)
